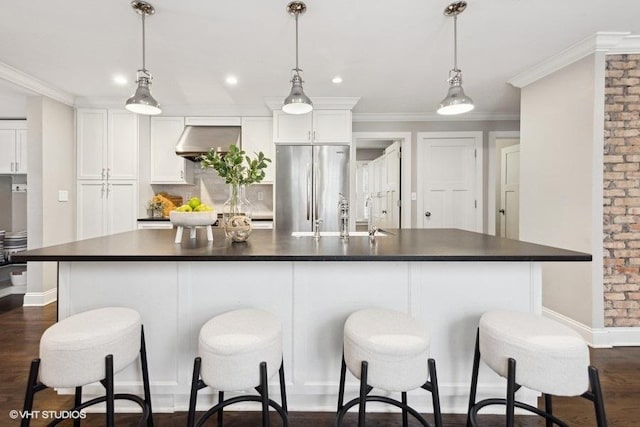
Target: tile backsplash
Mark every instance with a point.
(212, 190)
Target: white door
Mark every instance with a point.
(448, 175)
(510, 192)
(392, 165)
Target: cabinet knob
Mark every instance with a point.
(309, 136)
(501, 211)
(427, 214)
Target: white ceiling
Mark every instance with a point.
(394, 55)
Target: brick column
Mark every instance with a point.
(622, 191)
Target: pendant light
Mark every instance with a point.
(456, 102)
(142, 102)
(297, 102)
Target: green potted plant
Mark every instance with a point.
(238, 170)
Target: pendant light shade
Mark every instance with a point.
(456, 101)
(297, 102)
(142, 102)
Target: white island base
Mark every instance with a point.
(312, 299)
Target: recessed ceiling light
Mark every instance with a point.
(231, 80)
(337, 80)
(120, 79)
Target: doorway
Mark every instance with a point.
(382, 173)
(498, 141)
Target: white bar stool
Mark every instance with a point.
(89, 347)
(239, 350)
(388, 350)
(551, 358)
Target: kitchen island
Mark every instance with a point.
(444, 278)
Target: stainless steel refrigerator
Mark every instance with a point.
(309, 181)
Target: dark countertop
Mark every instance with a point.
(268, 245)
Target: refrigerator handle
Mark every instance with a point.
(316, 179)
(308, 191)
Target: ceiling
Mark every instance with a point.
(394, 55)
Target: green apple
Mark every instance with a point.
(194, 202)
(184, 208)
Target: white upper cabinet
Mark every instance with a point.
(107, 144)
(166, 166)
(13, 146)
(332, 126)
(317, 127)
(257, 135)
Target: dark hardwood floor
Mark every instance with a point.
(21, 328)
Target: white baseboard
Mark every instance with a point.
(598, 337)
(39, 299)
(10, 290)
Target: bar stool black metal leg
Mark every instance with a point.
(548, 408)
(283, 389)
(343, 372)
(221, 411)
(145, 377)
(191, 417)
(31, 389)
(474, 376)
(109, 389)
(405, 418)
(77, 402)
(435, 393)
(511, 392)
(598, 401)
(363, 393)
(264, 392)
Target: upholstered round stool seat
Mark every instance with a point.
(73, 351)
(550, 357)
(392, 343)
(232, 346)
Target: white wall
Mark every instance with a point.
(557, 180)
(51, 159)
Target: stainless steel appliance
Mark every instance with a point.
(198, 140)
(309, 181)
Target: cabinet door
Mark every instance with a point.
(332, 126)
(292, 128)
(121, 206)
(166, 166)
(91, 209)
(122, 149)
(92, 143)
(257, 135)
(21, 151)
(7, 150)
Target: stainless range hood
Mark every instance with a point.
(198, 140)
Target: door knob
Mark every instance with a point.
(501, 211)
(427, 214)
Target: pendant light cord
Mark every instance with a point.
(144, 67)
(455, 42)
(297, 67)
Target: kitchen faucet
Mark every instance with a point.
(370, 226)
(316, 229)
(343, 217)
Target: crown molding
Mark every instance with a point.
(432, 117)
(606, 42)
(33, 84)
(320, 103)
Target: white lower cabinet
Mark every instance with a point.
(106, 207)
(154, 225)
